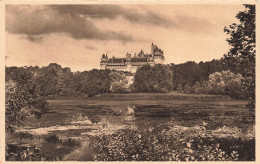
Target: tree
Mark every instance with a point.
(20, 97)
(19, 103)
(241, 56)
(196, 88)
(119, 82)
(156, 78)
(185, 74)
(96, 82)
(226, 83)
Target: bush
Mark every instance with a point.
(187, 89)
(23, 135)
(156, 145)
(17, 105)
(70, 142)
(220, 83)
(41, 106)
(53, 139)
(226, 83)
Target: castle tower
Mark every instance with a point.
(157, 54)
(153, 48)
(104, 61)
(128, 62)
(150, 60)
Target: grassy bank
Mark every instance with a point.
(145, 96)
(162, 96)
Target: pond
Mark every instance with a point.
(84, 119)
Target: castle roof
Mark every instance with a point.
(139, 59)
(116, 60)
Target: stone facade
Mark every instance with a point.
(131, 64)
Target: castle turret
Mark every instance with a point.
(104, 61)
(141, 53)
(153, 48)
(157, 54)
(150, 60)
(128, 57)
(128, 62)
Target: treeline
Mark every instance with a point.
(187, 74)
(204, 78)
(212, 77)
(53, 80)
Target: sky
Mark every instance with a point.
(76, 36)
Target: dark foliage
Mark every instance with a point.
(187, 74)
(241, 56)
(156, 78)
(53, 139)
(156, 145)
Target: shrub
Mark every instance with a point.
(226, 83)
(156, 145)
(196, 88)
(53, 139)
(187, 89)
(71, 142)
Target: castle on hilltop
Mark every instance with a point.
(130, 64)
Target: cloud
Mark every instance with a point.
(38, 20)
(115, 11)
(36, 39)
(77, 21)
(89, 47)
(193, 24)
(136, 14)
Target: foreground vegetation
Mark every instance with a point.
(160, 145)
(38, 148)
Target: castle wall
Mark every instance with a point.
(119, 68)
(158, 60)
(103, 66)
(130, 80)
(129, 67)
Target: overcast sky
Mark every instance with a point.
(75, 36)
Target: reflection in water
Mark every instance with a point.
(105, 119)
(94, 119)
(130, 110)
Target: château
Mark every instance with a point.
(132, 63)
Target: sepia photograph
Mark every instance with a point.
(130, 82)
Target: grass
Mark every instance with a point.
(162, 96)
